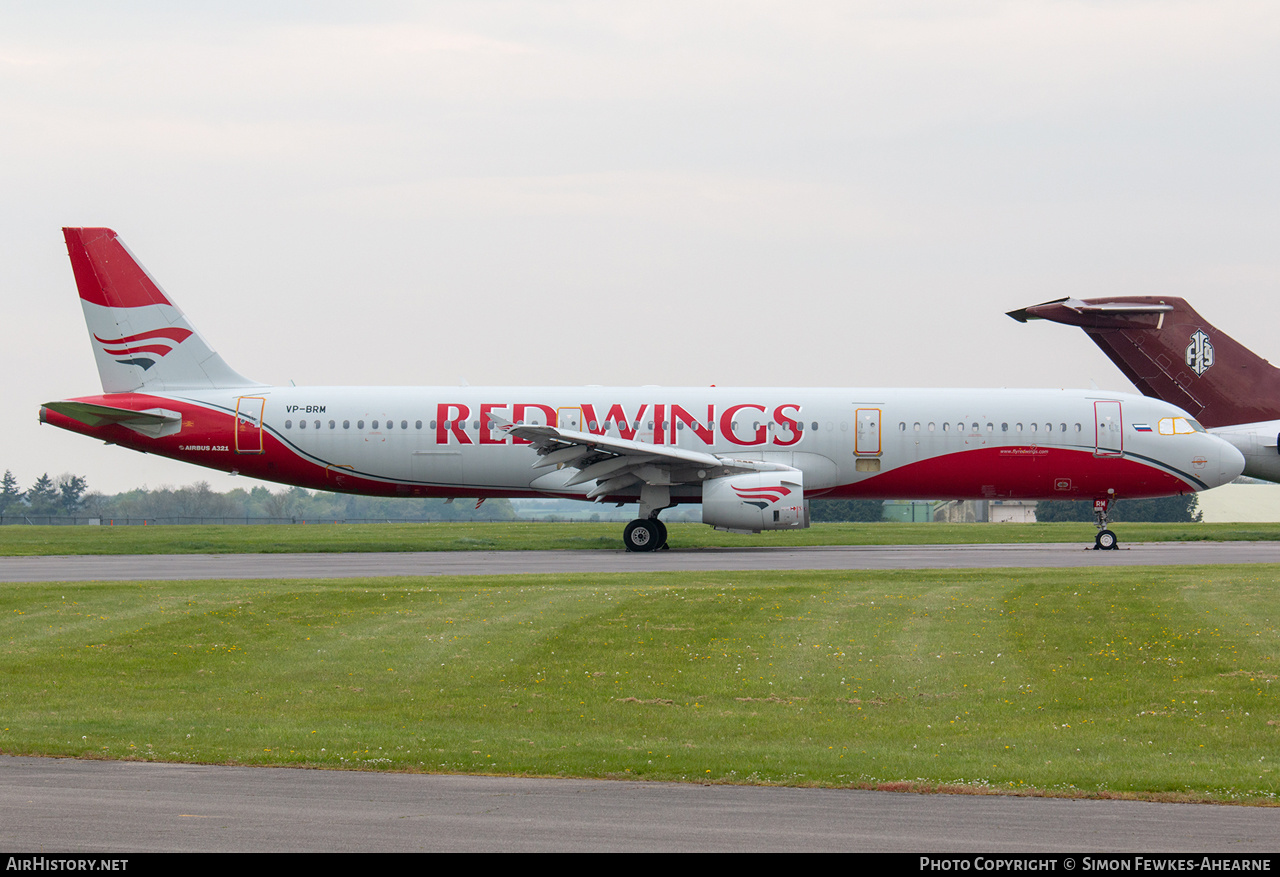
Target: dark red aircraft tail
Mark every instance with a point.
(1171, 353)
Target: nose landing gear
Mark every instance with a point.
(1105, 540)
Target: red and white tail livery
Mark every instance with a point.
(141, 339)
(752, 457)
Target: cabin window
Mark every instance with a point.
(902, 427)
(302, 424)
(1062, 427)
(916, 427)
(1019, 426)
(317, 424)
(931, 427)
(975, 427)
(346, 424)
(591, 425)
(813, 425)
(404, 424)
(359, 424)
(1004, 427)
(946, 427)
(991, 427)
(333, 425)
(288, 424)
(417, 424)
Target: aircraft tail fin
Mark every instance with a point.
(141, 340)
(1172, 353)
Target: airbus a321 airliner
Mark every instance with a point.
(753, 457)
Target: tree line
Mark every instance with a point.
(63, 495)
(68, 496)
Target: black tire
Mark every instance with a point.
(662, 533)
(641, 535)
(1106, 541)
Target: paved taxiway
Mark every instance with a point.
(69, 805)
(461, 563)
(66, 806)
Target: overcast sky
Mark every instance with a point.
(738, 193)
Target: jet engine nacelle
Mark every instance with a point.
(756, 501)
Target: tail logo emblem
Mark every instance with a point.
(143, 349)
(1200, 353)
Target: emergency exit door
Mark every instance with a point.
(1110, 429)
(867, 442)
(249, 424)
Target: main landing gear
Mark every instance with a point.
(1105, 540)
(646, 534)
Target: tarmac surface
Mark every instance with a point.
(101, 567)
(65, 805)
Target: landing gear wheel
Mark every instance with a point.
(643, 535)
(662, 534)
(1105, 541)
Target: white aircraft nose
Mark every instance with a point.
(1230, 463)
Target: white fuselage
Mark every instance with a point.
(935, 443)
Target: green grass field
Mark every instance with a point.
(1151, 683)
(320, 537)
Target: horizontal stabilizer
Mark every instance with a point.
(1086, 313)
(154, 422)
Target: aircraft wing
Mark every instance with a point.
(618, 463)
